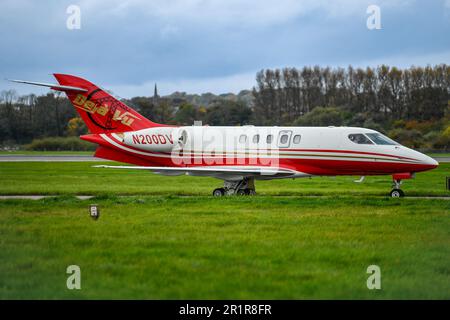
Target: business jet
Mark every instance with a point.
(237, 155)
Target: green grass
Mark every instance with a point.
(82, 178)
(46, 153)
(444, 154)
(168, 239)
(239, 247)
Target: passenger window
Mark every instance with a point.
(269, 138)
(243, 139)
(359, 138)
(297, 139)
(256, 138)
(284, 138)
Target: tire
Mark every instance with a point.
(219, 192)
(397, 193)
(250, 192)
(241, 192)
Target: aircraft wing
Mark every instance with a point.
(221, 172)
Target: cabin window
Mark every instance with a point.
(243, 138)
(297, 139)
(359, 138)
(256, 138)
(378, 138)
(284, 138)
(269, 138)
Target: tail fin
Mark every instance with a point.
(99, 110)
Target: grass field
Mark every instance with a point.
(50, 153)
(45, 153)
(82, 178)
(163, 244)
(443, 154)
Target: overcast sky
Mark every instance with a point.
(202, 46)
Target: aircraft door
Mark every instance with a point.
(284, 138)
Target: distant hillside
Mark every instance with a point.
(205, 99)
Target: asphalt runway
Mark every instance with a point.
(53, 158)
(442, 159)
(85, 158)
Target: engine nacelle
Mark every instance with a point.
(159, 139)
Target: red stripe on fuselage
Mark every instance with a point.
(309, 166)
(271, 149)
(351, 151)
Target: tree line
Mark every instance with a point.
(411, 105)
(23, 118)
(383, 93)
(28, 117)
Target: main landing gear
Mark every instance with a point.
(244, 187)
(396, 192)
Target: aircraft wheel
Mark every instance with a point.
(241, 192)
(219, 192)
(397, 193)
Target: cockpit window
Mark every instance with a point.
(359, 138)
(378, 138)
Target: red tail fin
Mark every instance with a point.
(99, 110)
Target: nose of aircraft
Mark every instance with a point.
(429, 162)
(424, 162)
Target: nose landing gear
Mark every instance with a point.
(244, 187)
(397, 178)
(396, 192)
